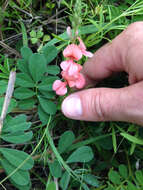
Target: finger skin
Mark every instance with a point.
(106, 104)
(125, 53)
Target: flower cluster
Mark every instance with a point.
(70, 69)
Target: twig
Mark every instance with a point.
(13, 51)
(8, 96)
(5, 5)
(56, 183)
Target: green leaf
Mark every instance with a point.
(84, 186)
(33, 33)
(55, 169)
(23, 93)
(27, 104)
(65, 180)
(82, 154)
(114, 177)
(132, 138)
(91, 180)
(15, 124)
(24, 34)
(46, 84)
(16, 157)
(12, 105)
(3, 86)
(131, 186)
(110, 188)
(65, 141)
(139, 176)
(34, 40)
(51, 186)
(21, 187)
(47, 95)
(50, 52)
(44, 117)
(20, 177)
(123, 171)
(40, 34)
(53, 69)
(23, 66)
(47, 105)
(46, 38)
(17, 127)
(24, 80)
(26, 53)
(88, 29)
(37, 66)
(17, 138)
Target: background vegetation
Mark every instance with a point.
(40, 148)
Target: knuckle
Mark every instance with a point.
(135, 32)
(97, 106)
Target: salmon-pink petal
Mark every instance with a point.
(72, 51)
(61, 91)
(87, 53)
(64, 75)
(56, 84)
(65, 65)
(80, 82)
(71, 83)
(60, 87)
(74, 68)
(81, 44)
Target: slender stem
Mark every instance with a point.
(8, 96)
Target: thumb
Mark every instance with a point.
(106, 104)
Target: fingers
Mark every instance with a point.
(104, 104)
(124, 53)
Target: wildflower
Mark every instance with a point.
(76, 80)
(70, 67)
(83, 48)
(60, 87)
(75, 52)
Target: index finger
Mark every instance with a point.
(115, 56)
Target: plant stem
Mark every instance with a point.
(8, 96)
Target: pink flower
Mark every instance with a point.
(83, 48)
(71, 70)
(71, 67)
(60, 87)
(73, 52)
(77, 80)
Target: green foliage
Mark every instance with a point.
(91, 180)
(51, 186)
(62, 153)
(82, 154)
(65, 141)
(122, 180)
(16, 163)
(16, 158)
(33, 82)
(65, 180)
(55, 169)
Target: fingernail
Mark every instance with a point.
(72, 107)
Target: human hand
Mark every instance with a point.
(125, 53)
